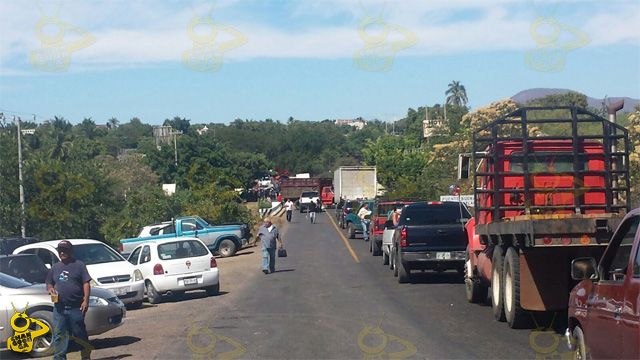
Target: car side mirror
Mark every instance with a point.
(584, 269)
(196, 233)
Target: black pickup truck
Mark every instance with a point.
(430, 236)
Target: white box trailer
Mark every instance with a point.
(355, 182)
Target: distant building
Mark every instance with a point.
(203, 130)
(106, 126)
(358, 124)
(430, 126)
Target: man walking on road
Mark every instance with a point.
(289, 206)
(312, 211)
(69, 279)
(268, 234)
(362, 213)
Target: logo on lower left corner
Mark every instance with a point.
(22, 340)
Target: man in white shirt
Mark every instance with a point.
(362, 213)
(289, 206)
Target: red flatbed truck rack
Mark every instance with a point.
(540, 202)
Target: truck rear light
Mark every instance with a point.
(213, 262)
(403, 237)
(547, 240)
(566, 240)
(158, 270)
(585, 239)
(433, 202)
(121, 248)
(344, 212)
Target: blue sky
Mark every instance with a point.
(298, 58)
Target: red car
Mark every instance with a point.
(378, 219)
(604, 308)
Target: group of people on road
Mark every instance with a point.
(313, 208)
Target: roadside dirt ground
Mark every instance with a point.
(146, 331)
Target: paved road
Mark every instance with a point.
(323, 302)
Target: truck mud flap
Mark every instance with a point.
(544, 280)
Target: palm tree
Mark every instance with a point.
(457, 94)
(114, 122)
(59, 145)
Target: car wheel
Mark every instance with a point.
(404, 273)
(497, 284)
(227, 248)
(395, 263)
(43, 344)
(134, 305)
(580, 352)
(516, 316)
(213, 290)
(385, 258)
(152, 294)
(476, 291)
(351, 231)
(375, 247)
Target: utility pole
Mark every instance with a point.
(175, 145)
(23, 230)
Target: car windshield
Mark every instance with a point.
(95, 254)
(309, 194)
(29, 268)
(11, 282)
(434, 215)
(181, 249)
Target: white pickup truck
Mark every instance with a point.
(306, 198)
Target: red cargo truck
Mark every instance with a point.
(293, 188)
(541, 202)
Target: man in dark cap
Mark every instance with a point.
(69, 279)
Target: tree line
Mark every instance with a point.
(88, 181)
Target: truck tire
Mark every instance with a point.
(43, 344)
(351, 231)
(213, 290)
(476, 291)
(227, 248)
(404, 273)
(580, 351)
(516, 316)
(394, 260)
(376, 250)
(497, 284)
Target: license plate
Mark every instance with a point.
(120, 291)
(443, 256)
(189, 281)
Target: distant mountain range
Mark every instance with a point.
(527, 95)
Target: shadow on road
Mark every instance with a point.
(431, 277)
(286, 270)
(108, 343)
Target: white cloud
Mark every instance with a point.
(139, 32)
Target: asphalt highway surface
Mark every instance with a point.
(329, 299)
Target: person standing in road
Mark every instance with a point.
(268, 234)
(312, 211)
(70, 279)
(289, 206)
(362, 214)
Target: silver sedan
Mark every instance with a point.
(105, 312)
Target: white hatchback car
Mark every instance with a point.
(175, 265)
(108, 269)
